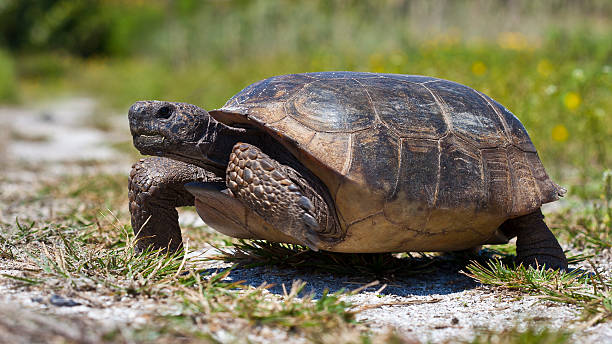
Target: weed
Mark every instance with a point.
(529, 336)
(591, 292)
(589, 225)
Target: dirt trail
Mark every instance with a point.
(40, 143)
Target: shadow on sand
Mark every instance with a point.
(400, 276)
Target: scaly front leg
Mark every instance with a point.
(156, 189)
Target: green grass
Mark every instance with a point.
(8, 79)
(250, 253)
(588, 225)
(529, 336)
(593, 292)
(206, 52)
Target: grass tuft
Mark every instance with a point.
(305, 315)
(529, 336)
(250, 253)
(591, 292)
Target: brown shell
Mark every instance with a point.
(412, 162)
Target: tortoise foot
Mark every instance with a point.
(536, 245)
(155, 191)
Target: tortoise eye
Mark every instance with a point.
(164, 112)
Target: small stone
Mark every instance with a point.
(243, 146)
(239, 180)
(232, 185)
(241, 173)
(232, 156)
(61, 301)
(293, 187)
(454, 321)
(241, 163)
(233, 175)
(252, 154)
(256, 181)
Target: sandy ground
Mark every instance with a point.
(42, 142)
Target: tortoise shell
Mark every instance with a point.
(412, 162)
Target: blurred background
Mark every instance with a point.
(549, 62)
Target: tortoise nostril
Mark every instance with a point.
(164, 112)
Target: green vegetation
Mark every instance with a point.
(529, 336)
(589, 225)
(552, 68)
(593, 293)
(587, 229)
(8, 82)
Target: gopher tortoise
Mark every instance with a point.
(345, 162)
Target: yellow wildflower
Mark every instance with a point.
(377, 63)
(479, 68)
(572, 100)
(545, 67)
(559, 133)
(512, 41)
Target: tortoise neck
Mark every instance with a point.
(218, 141)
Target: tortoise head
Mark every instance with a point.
(175, 130)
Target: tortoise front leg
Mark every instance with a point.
(535, 243)
(293, 202)
(155, 190)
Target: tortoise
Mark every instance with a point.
(345, 162)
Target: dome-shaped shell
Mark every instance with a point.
(432, 163)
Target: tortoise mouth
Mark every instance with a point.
(149, 144)
(158, 145)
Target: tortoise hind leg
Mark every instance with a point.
(280, 194)
(535, 243)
